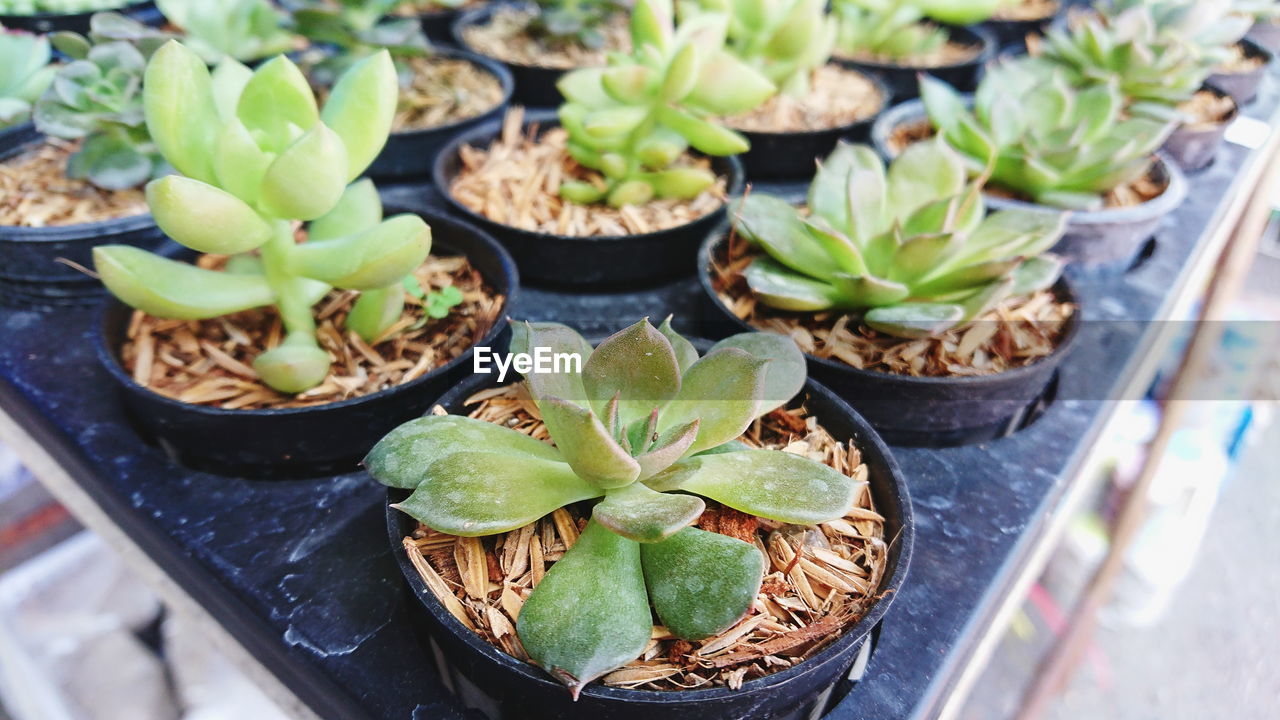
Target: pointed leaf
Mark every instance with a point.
(670, 447)
(182, 116)
(701, 583)
(358, 210)
(308, 178)
(705, 136)
(723, 390)
(728, 86)
(784, 376)
(923, 173)
(775, 225)
(780, 287)
(915, 320)
(870, 291)
(1036, 274)
(375, 311)
(275, 98)
(637, 513)
(527, 337)
(586, 444)
(686, 353)
(400, 459)
(361, 109)
(175, 290)
(205, 218)
(378, 258)
(640, 364)
(240, 163)
(228, 81)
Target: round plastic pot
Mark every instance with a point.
(410, 154)
(791, 155)
(73, 22)
(504, 688)
(1267, 34)
(302, 442)
(535, 85)
(902, 114)
(438, 24)
(1243, 87)
(35, 256)
(615, 261)
(1013, 32)
(1193, 147)
(904, 80)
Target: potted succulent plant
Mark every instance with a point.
(899, 39)
(665, 494)
(232, 347)
(613, 197)
(1015, 20)
(46, 16)
(25, 58)
(443, 91)
(74, 181)
(818, 101)
(245, 30)
(436, 16)
(1266, 18)
(540, 41)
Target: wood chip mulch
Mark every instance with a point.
(1017, 333)
(1240, 62)
(412, 8)
(820, 580)
(210, 362)
(1208, 109)
(837, 96)
(35, 191)
(443, 91)
(506, 37)
(950, 53)
(1026, 10)
(516, 182)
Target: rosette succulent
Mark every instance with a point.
(901, 29)
(645, 430)
(25, 72)
(562, 22)
(256, 157)
(635, 118)
(344, 31)
(911, 248)
(245, 30)
(1043, 138)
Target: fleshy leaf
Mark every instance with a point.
(361, 109)
(399, 459)
(293, 367)
(1036, 274)
(277, 98)
(205, 218)
(784, 376)
(306, 180)
(637, 513)
(669, 448)
(358, 210)
(774, 224)
(527, 337)
(686, 353)
(723, 390)
(781, 287)
(176, 290)
(586, 444)
(240, 163)
(915, 320)
(182, 116)
(590, 614)
(637, 362)
(701, 583)
(375, 311)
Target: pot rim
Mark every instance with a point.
(1064, 288)
(870, 441)
(982, 36)
(1252, 49)
(545, 119)
(486, 63)
(886, 102)
(107, 348)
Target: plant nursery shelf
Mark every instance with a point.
(299, 574)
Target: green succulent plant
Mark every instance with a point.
(635, 118)
(1209, 25)
(341, 32)
(786, 40)
(646, 427)
(25, 73)
(911, 247)
(256, 156)
(56, 7)
(574, 22)
(245, 30)
(1055, 144)
(902, 29)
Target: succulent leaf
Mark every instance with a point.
(639, 365)
(375, 311)
(637, 513)
(786, 372)
(358, 210)
(723, 390)
(276, 100)
(239, 162)
(587, 445)
(306, 180)
(175, 290)
(558, 339)
(685, 570)
(361, 109)
(293, 367)
(686, 353)
(915, 320)
(400, 459)
(181, 113)
(205, 218)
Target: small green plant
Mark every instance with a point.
(57, 7)
(1044, 139)
(634, 119)
(912, 247)
(436, 304)
(245, 30)
(25, 72)
(786, 40)
(256, 156)
(344, 31)
(565, 22)
(902, 30)
(646, 426)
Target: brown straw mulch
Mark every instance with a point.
(516, 182)
(410, 8)
(1240, 62)
(35, 191)
(210, 362)
(1017, 333)
(1026, 10)
(443, 91)
(1208, 108)
(820, 579)
(506, 37)
(837, 96)
(950, 53)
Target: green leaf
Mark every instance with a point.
(780, 287)
(228, 82)
(240, 163)
(701, 583)
(987, 298)
(614, 121)
(587, 445)
(923, 173)
(361, 109)
(294, 366)
(1036, 274)
(637, 513)
(686, 353)
(400, 459)
(378, 258)
(558, 339)
(584, 87)
(308, 178)
(723, 390)
(915, 320)
(705, 136)
(832, 189)
(682, 74)
(473, 493)
(182, 116)
(375, 311)
(784, 376)
(728, 86)
(766, 483)
(922, 254)
(205, 218)
(175, 290)
(870, 291)
(276, 99)
(775, 225)
(358, 210)
(639, 365)
(626, 84)
(651, 23)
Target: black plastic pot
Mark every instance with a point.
(302, 442)
(438, 24)
(535, 85)
(615, 262)
(917, 411)
(503, 688)
(73, 22)
(791, 155)
(1267, 34)
(410, 154)
(1243, 87)
(904, 80)
(1012, 32)
(1193, 147)
(37, 263)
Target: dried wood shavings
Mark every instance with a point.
(1240, 62)
(1026, 10)
(35, 191)
(1208, 109)
(409, 8)
(1017, 333)
(837, 96)
(443, 91)
(950, 53)
(516, 181)
(507, 37)
(819, 580)
(210, 362)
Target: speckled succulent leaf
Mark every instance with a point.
(684, 571)
(785, 373)
(376, 258)
(667, 449)
(639, 364)
(205, 218)
(723, 390)
(175, 290)
(358, 210)
(925, 172)
(400, 459)
(558, 339)
(473, 493)
(229, 79)
(915, 320)
(587, 445)
(375, 311)
(779, 287)
(686, 353)
(306, 180)
(773, 224)
(637, 513)
(181, 113)
(361, 109)
(239, 162)
(590, 614)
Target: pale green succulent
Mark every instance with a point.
(255, 156)
(245, 30)
(635, 118)
(902, 29)
(1211, 26)
(786, 40)
(912, 247)
(25, 72)
(1043, 138)
(646, 428)
(341, 32)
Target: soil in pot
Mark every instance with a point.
(506, 36)
(1027, 11)
(516, 181)
(210, 362)
(838, 96)
(35, 191)
(950, 54)
(1241, 62)
(1208, 109)
(445, 90)
(821, 580)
